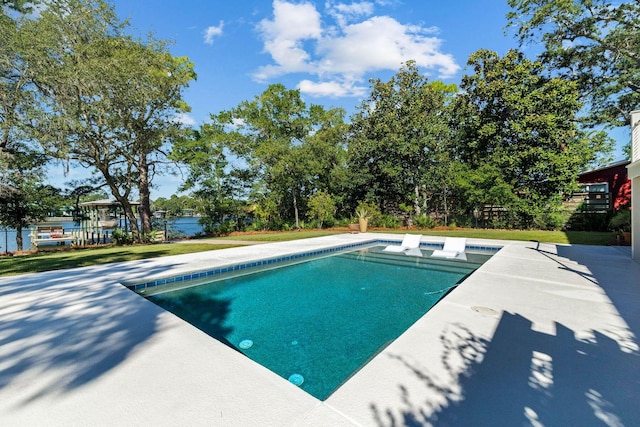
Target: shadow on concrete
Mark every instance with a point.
(525, 377)
(62, 330)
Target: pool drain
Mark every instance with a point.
(245, 344)
(296, 379)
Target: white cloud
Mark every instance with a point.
(212, 32)
(382, 43)
(340, 56)
(343, 13)
(184, 119)
(283, 36)
(332, 89)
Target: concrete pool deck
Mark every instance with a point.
(541, 334)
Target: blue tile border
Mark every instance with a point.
(220, 270)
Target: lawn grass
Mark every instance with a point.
(280, 236)
(563, 237)
(91, 256)
(86, 257)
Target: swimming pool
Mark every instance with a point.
(318, 321)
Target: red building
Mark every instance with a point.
(606, 188)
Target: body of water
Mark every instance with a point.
(187, 226)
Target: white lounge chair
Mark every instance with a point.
(410, 245)
(453, 248)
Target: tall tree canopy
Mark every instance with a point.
(519, 138)
(24, 197)
(221, 191)
(16, 94)
(18, 5)
(399, 141)
(109, 102)
(284, 151)
(595, 43)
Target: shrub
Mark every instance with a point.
(121, 237)
(344, 222)
(424, 221)
(225, 228)
(321, 207)
(621, 221)
(331, 222)
(177, 234)
(308, 225)
(388, 221)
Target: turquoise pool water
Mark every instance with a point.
(317, 322)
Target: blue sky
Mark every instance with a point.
(329, 49)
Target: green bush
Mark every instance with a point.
(588, 221)
(309, 225)
(220, 229)
(344, 222)
(321, 207)
(121, 237)
(621, 221)
(177, 234)
(387, 221)
(424, 221)
(463, 221)
(258, 224)
(329, 223)
(225, 228)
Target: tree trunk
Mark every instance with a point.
(446, 210)
(144, 209)
(416, 201)
(123, 199)
(424, 198)
(128, 212)
(19, 242)
(295, 210)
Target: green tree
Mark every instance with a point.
(399, 141)
(109, 102)
(326, 150)
(273, 127)
(24, 198)
(321, 207)
(284, 148)
(16, 93)
(519, 139)
(220, 191)
(23, 6)
(175, 205)
(594, 43)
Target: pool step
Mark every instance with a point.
(425, 259)
(426, 263)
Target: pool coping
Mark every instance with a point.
(79, 348)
